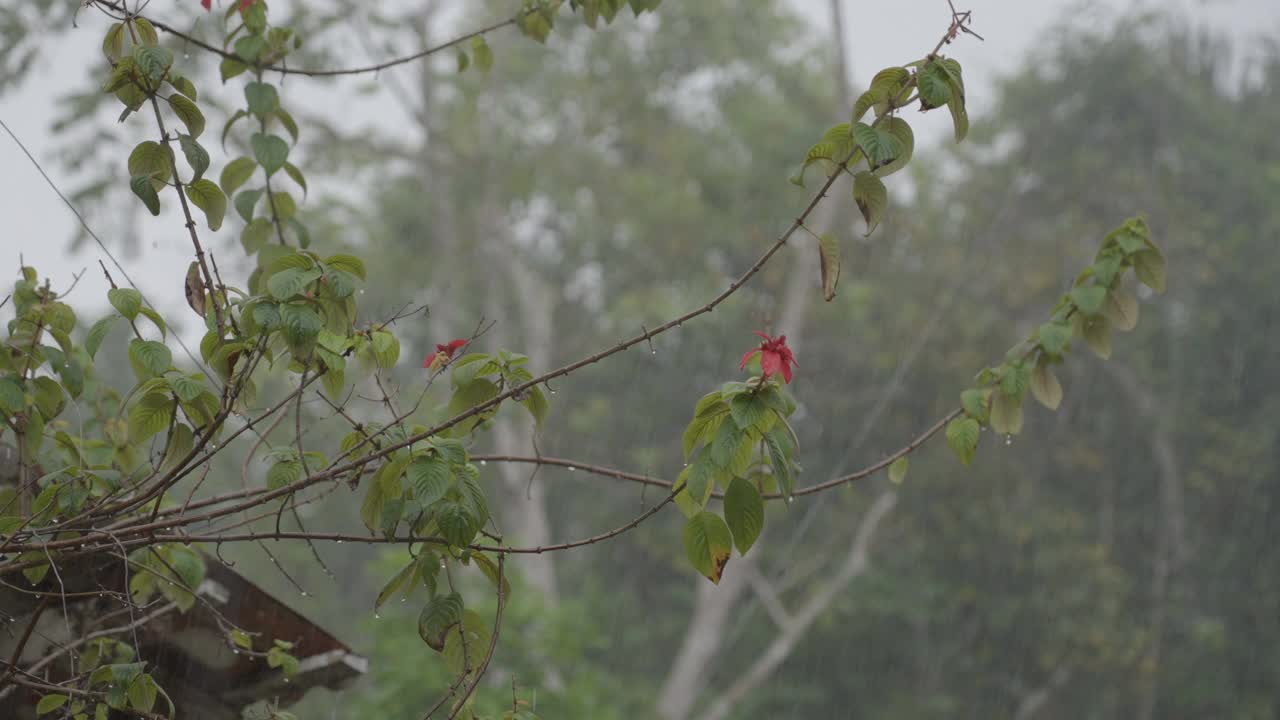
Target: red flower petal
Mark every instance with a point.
(770, 362)
(206, 4)
(430, 359)
(747, 358)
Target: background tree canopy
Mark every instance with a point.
(1110, 561)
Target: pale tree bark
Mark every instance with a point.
(713, 604)
(1171, 545)
(514, 434)
(795, 625)
(1035, 701)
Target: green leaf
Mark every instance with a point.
(1150, 268)
(438, 615)
(748, 410)
(287, 121)
(12, 397)
(284, 473)
(483, 54)
(256, 235)
(886, 84)
(188, 113)
(126, 301)
(150, 159)
(239, 114)
(744, 511)
(1054, 337)
(371, 508)
(153, 61)
(429, 476)
(1006, 413)
(142, 693)
(246, 201)
(881, 146)
(347, 263)
(708, 544)
(394, 584)
(781, 467)
(698, 479)
(959, 116)
(457, 525)
(262, 98)
(301, 322)
(296, 175)
(898, 470)
(934, 84)
(829, 265)
(182, 85)
(962, 436)
(1045, 386)
(206, 195)
(153, 358)
(490, 570)
(1089, 298)
(197, 156)
(149, 415)
(113, 42)
(1121, 309)
(386, 349)
(49, 397)
(229, 68)
(271, 151)
(1097, 334)
(146, 31)
(283, 205)
(1015, 380)
(97, 333)
(237, 173)
(976, 403)
(537, 405)
(872, 198)
(141, 186)
(901, 131)
(290, 282)
(49, 703)
(186, 387)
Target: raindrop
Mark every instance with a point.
(362, 292)
(339, 542)
(186, 56)
(304, 593)
(484, 462)
(403, 599)
(572, 468)
(235, 651)
(654, 351)
(376, 616)
(442, 563)
(790, 500)
(1008, 439)
(286, 679)
(553, 391)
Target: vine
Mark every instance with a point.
(106, 488)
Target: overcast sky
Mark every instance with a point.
(40, 227)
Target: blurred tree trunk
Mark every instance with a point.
(714, 604)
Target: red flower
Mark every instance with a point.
(775, 357)
(443, 354)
